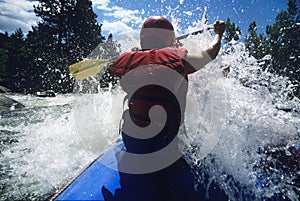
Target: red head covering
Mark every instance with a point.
(160, 27)
(158, 22)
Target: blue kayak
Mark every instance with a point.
(99, 181)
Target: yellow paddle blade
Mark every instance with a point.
(87, 68)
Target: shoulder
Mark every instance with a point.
(124, 57)
(117, 67)
(125, 54)
(181, 52)
(198, 61)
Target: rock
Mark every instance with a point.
(9, 103)
(4, 89)
(47, 93)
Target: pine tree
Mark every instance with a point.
(284, 41)
(16, 55)
(4, 57)
(71, 32)
(84, 32)
(12, 55)
(41, 59)
(256, 44)
(233, 32)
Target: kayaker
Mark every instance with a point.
(158, 53)
(157, 48)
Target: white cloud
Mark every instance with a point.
(116, 27)
(125, 15)
(17, 14)
(101, 4)
(117, 19)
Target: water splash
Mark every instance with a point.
(250, 96)
(43, 148)
(252, 123)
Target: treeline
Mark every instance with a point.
(281, 41)
(67, 32)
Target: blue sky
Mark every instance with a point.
(127, 15)
(241, 12)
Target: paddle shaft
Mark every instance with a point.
(177, 38)
(87, 68)
(193, 33)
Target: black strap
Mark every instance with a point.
(131, 58)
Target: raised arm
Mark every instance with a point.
(219, 28)
(198, 61)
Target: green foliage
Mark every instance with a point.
(12, 52)
(4, 56)
(284, 39)
(282, 42)
(233, 32)
(67, 33)
(284, 36)
(257, 44)
(72, 34)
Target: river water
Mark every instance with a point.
(234, 132)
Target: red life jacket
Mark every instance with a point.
(147, 96)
